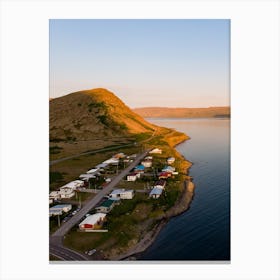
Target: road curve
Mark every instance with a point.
(66, 254)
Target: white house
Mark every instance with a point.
(155, 151)
(91, 222)
(86, 177)
(111, 161)
(170, 160)
(149, 157)
(73, 185)
(92, 171)
(59, 209)
(54, 195)
(168, 169)
(133, 176)
(147, 163)
(122, 194)
(50, 201)
(156, 192)
(66, 193)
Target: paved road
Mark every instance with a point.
(57, 237)
(91, 152)
(66, 254)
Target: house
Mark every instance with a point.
(66, 193)
(106, 206)
(54, 195)
(55, 212)
(91, 222)
(155, 151)
(73, 185)
(164, 175)
(113, 161)
(101, 166)
(156, 192)
(59, 209)
(93, 171)
(50, 201)
(86, 177)
(170, 160)
(160, 184)
(168, 169)
(139, 168)
(119, 155)
(122, 194)
(148, 157)
(147, 163)
(133, 176)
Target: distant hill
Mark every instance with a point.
(91, 114)
(164, 112)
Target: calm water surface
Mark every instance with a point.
(202, 232)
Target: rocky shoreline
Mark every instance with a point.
(180, 207)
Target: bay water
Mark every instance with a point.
(202, 233)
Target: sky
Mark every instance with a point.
(146, 63)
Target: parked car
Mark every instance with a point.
(91, 252)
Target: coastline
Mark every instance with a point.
(181, 206)
(147, 230)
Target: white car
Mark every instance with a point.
(91, 252)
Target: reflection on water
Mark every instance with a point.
(203, 232)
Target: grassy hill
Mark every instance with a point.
(164, 112)
(92, 119)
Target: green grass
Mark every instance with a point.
(55, 149)
(56, 177)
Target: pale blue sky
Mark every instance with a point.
(174, 63)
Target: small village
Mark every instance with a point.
(155, 181)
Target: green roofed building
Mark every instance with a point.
(106, 206)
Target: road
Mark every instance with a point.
(91, 152)
(56, 239)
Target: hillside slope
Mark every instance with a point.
(162, 112)
(90, 114)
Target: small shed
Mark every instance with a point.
(133, 176)
(170, 160)
(147, 163)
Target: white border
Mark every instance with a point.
(255, 137)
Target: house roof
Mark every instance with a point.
(93, 219)
(119, 191)
(87, 176)
(156, 191)
(61, 206)
(101, 165)
(140, 167)
(92, 171)
(107, 203)
(132, 174)
(73, 184)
